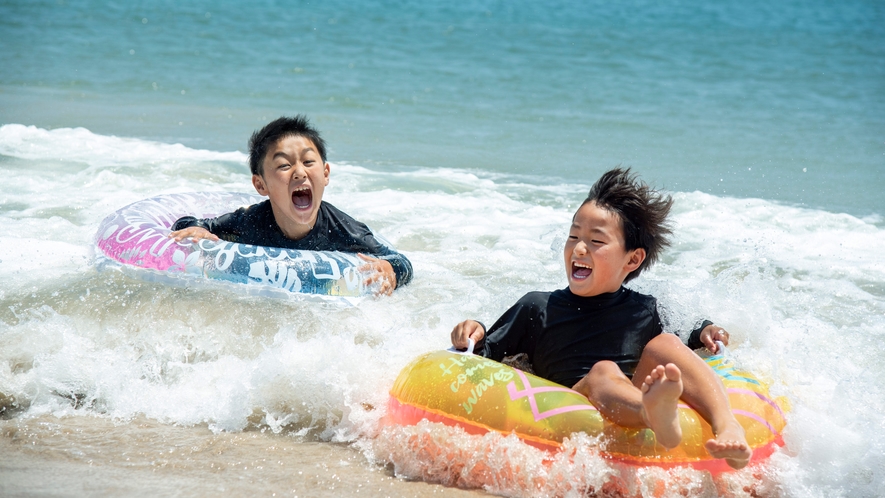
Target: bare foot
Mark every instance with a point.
(660, 397)
(731, 444)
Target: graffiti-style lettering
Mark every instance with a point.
(453, 363)
(501, 375)
(325, 267)
(352, 278)
(132, 233)
(164, 244)
(226, 253)
(276, 274)
(130, 254)
(293, 283)
(459, 381)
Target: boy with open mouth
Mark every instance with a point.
(607, 341)
(287, 159)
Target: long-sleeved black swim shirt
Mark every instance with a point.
(564, 335)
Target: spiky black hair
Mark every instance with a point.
(277, 129)
(642, 210)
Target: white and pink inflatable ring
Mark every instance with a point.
(136, 237)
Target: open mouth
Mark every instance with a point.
(580, 271)
(302, 198)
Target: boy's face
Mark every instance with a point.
(294, 179)
(596, 261)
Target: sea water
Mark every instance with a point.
(466, 135)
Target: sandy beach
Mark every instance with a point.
(91, 456)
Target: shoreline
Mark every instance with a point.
(93, 456)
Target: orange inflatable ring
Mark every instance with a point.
(481, 395)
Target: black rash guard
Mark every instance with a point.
(334, 230)
(564, 335)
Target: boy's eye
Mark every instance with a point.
(597, 241)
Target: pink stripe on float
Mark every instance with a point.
(757, 418)
(539, 390)
(564, 409)
(529, 392)
(758, 395)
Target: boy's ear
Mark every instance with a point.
(259, 185)
(636, 259)
(326, 170)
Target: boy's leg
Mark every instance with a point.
(613, 394)
(704, 391)
(661, 390)
(649, 402)
(629, 404)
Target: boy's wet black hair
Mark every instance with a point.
(276, 130)
(643, 212)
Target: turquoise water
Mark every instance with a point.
(465, 134)
(778, 101)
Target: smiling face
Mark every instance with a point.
(596, 261)
(294, 178)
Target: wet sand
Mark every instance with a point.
(91, 456)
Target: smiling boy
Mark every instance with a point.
(596, 334)
(287, 159)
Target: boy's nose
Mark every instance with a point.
(298, 171)
(580, 248)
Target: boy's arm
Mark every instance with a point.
(195, 233)
(511, 334)
(349, 235)
(399, 264)
(391, 271)
(467, 330)
(225, 226)
(190, 222)
(706, 335)
(380, 272)
(380, 256)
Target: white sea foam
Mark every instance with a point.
(802, 291)
(80, 144)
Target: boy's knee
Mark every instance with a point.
(600, 373)
(603, 370)
(665, 341)
(663, 345)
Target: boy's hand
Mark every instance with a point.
(193, 233)
(379, 271)
(466, 330)
(711, 334)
